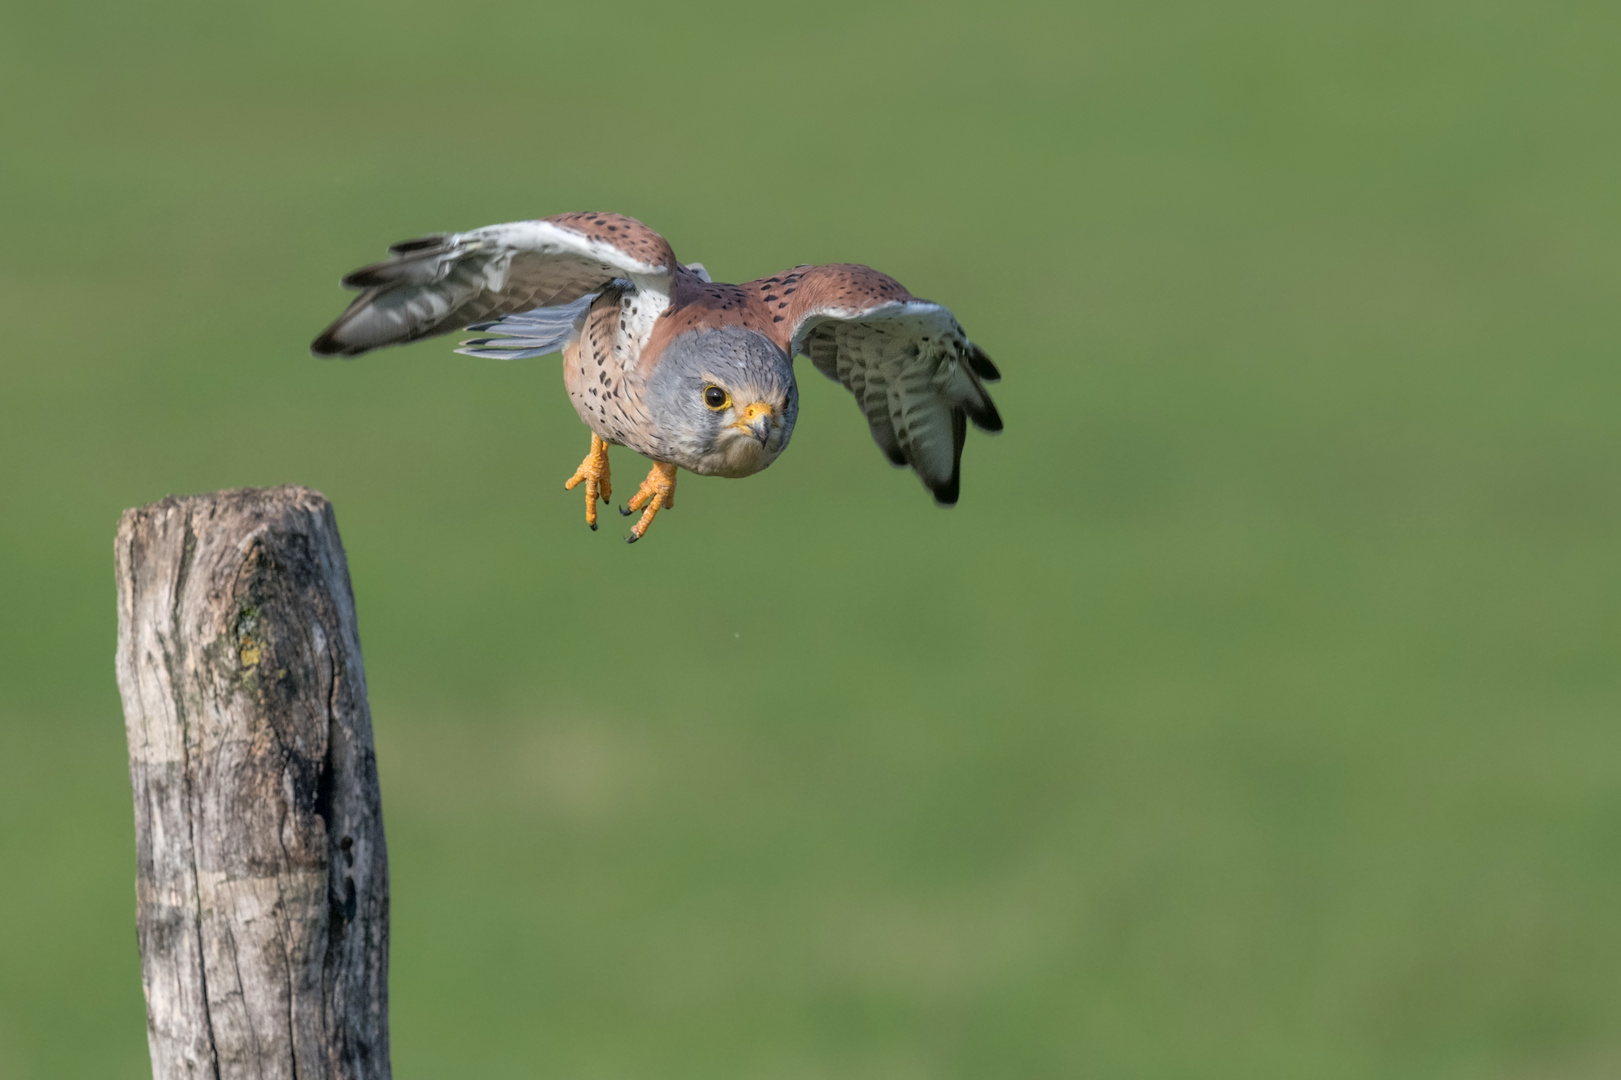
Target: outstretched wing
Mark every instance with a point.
(910, 366)
(446, 282)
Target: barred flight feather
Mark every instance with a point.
(436, 284)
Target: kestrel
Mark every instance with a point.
(690, 373)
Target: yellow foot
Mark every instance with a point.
(656, 493)
(594, 471)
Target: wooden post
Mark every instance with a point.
(262, 895)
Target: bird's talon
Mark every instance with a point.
(593, 472)
(656, 493)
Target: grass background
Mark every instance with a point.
(1254, 715)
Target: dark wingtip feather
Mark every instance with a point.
(946, 494)
(985, 417)
(328, 345)
(368, 276)
(981, 365)
(415, 262)
(421, 242)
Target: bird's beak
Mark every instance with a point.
(757, 420)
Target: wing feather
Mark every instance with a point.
(532, 333)
(436, 284)
(917, 377)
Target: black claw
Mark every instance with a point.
(625, 513)
(593, 525)
(632, 538)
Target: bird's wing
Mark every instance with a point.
(452, 280)
(910, 366)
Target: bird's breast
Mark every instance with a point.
(605, 391)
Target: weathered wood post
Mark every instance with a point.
(262, 889)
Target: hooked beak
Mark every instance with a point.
(757, 420)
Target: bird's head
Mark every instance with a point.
(726, 399)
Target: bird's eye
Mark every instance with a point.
(716, 398)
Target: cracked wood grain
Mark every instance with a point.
(262, 875)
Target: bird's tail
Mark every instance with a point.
(533, 333)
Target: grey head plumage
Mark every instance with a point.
(725, 399)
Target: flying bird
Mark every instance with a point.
(691, 373)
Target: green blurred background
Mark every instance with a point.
(1254, 715)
